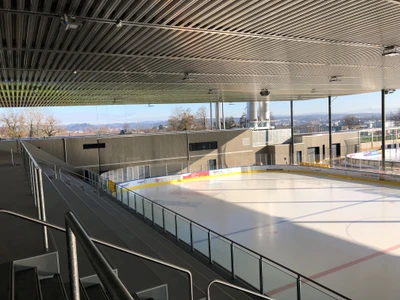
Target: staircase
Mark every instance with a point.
(38, 278)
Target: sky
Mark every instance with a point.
(364, 103)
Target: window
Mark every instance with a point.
(94, 146)
(203, 146)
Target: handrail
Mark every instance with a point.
(35, 176)
(103, 269)
(260, 256)
(48, 163)
(75, 173)
(217, 281)
(106, 244)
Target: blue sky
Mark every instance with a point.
(364, 103)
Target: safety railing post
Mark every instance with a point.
(261, 275)
(72, 263)
(152, 213)
(209, 247)
(35, 186)
(191, 237)
(176, 227)
(233, 260)
(298, 285)
(163, 220)
(12, 157)
(43, 208)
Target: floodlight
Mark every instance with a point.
(265, 92)
(391, 51)
(334, 79)
(389, 91)
(118, 24)
(70, 22)
(186, 76)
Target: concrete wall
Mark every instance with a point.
(234, 148)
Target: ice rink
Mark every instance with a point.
(342, 233)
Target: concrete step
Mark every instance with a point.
(133, 272)
(27, 286)
(174, 280)
(53, 288)
(6, 280)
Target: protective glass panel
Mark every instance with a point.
(247, 266)
(278, 283)
(169, 221)
(221, 252)
(139, 204)
(184, 230)
(309, 291)
(200, 239)
(132, 203)
(158, 218)
(147, 209)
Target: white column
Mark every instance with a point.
(217, 115)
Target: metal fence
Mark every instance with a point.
(263, 274)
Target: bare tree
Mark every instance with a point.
(14, 124)
(35, 119)
(50, 126)
(350, 121)
(230, 123)
(243, 120)
(201, 118)
(395, 117)
(181, 119)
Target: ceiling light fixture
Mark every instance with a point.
(265, 92)
(334, 79)
(118, 24)
(389, 91)
(75, 71)
(186, 76)
(70, 22)
(391, 51)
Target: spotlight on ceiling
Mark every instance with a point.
(389, 91)
(70, 22)
(186, 76)
(334, 79)
(75, 71)
(211, 91)
(118, 24)
(391, 51)
(265, 92)
(313, 91)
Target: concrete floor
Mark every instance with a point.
(344, 234)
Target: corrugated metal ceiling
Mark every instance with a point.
(234, 48)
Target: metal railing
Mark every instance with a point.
(241, 262)
(235, 287)
(75, 231)
(35, 179)
(52, 165)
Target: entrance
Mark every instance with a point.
(212, 164)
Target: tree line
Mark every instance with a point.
(183, 119)
(29, 124)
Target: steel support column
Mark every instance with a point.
(383, 118)
(291, 134)
(211, 117)
(330, 128)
